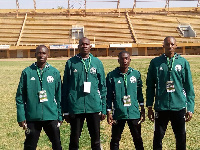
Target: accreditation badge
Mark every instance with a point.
(127, 100)
(43, 96)
(87, 87)
(170, 86)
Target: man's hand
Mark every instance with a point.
(102, 117)
(23, 124)
(188, 116)
(109, 118)
(67, 118)
(150, 114)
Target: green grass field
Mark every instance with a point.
(12, 136)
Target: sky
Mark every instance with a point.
(54, 4)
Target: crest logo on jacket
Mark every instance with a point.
(133, 79)
(50, 79)
(33, 78)
(119, 81)
(93, 70)
(178, 67)
(161, 68)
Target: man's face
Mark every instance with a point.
(124, 60)
(170, 46)
(84, 46)
(42, 54)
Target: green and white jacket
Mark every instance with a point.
(177, 70)
(74, 99)
(29, 107)
(117, 89)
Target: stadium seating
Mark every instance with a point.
(57, 29)
(10, 27)
(102, 27)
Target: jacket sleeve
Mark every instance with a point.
(139, 89)
(110, 94)
(21, 98)
(102, 86)
(189, 89)
(58, 95)
(150, 82)
(65, 88)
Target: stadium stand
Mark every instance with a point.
(140, 31)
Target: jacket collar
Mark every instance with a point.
(175, 55)
(128, 72)
(79, 56)
(46, 66)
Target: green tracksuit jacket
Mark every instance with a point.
(158, 75)
(29, 107)
(74, 99)
(116, 90)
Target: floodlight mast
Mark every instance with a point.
(118, 2)
(34, 2)
(17, 5)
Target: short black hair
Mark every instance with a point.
(82, 39)
(40, 46)
(169, 37)
(122, 52)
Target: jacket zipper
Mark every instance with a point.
(85, 77)
(169, 93)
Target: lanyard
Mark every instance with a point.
(86, 69)
(168, 63)
(40, 76)
(125, 81)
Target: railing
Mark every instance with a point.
(21, 32)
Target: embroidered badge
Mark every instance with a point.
(132, 79)
(50, 79)
(178, 67)
(75, 70)
(93, 70)
(32, 78)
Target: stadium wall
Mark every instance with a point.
(104, 52)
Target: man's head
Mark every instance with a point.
(169, 45)
(124, 59)
(41, 53)
(84, 46)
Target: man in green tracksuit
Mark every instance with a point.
(124, 93)
(38, 101)
(169, 80)
(84, 95)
